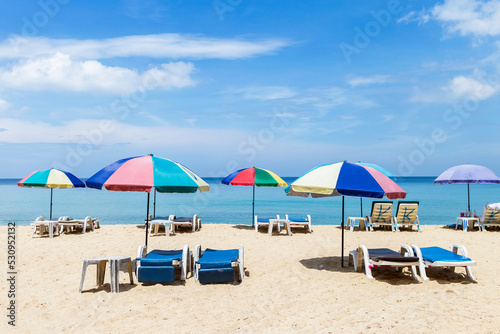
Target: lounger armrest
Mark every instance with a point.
(241, 262)
(461, 248)
(363, 254)
(185, 262)
(196, 257)
(142, 251)
(407, 251)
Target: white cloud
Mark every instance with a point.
(469, 17)
(421, 17)
(263, 93)
(467, 87)
(155, 46)
(97, 133)
(4, 105)
(355, 81)
(459, 87)
(61, 73)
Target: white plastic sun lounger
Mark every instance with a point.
(383, 257)
(304, 222)
(439, 257)
(263, 222)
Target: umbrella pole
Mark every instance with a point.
(154, 206)
(342, 226)
(361, 203)
(147, 223)
(253, 205)
(468, 197)
(51, 189)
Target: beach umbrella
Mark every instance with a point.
(380, 169)
(51, 178)
(254, 177)
(467, 174)
(345, 179)
(143, 173)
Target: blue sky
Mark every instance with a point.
(218, 85)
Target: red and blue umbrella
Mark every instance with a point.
(254, 177)
(380, 169)
(345, 179)
(144, 173)
(51, 178)
(467, 174)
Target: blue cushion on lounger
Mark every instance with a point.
(161, 257)
(220, 275)
(300, 220)
(434, 254)
(183, 219)
(213, 258)
(158, 274)
(263, 220)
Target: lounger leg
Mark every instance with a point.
(469, 273)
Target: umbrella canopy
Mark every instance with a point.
(345, 179)
(467, 174)
(51, 178)
(254, 177)
(144, 173)
(380, 169)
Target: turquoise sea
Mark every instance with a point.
(439, 204)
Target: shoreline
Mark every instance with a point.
(292, 284)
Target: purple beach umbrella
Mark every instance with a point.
(467, 174)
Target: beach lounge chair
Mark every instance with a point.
(381, 215)
(304, 222)
(490, 216)
(69, 224)
(160, 266)
(431, 257)
(383, 257)
(263, 222)
(406, 215)
(193, 223)
(218, 266)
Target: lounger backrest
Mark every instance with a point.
(381, 212)
(491, 216)
(406, 212)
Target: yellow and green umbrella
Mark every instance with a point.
(51, 178)
(254, 177)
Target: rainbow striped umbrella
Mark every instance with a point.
(254, 177)
(345, 179)
(51, 178)
(144, 173)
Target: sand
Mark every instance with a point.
(284, 289)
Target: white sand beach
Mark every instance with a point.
(284, 289)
